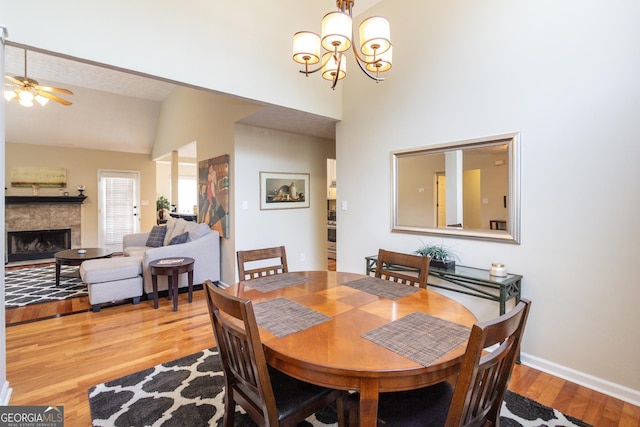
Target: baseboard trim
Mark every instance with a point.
(5, 394)
(598, 384)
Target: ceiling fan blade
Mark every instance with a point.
(55, 89)
(53, 97)
(14, 80)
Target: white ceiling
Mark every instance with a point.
(113, 109)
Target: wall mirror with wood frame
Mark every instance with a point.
(468, 189)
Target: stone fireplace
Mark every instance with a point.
(38, 226)
(38, 244)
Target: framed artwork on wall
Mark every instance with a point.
(44, 177)
(284, 190)
(213, 193)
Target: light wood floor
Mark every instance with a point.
(56, 361)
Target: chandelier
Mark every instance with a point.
(337, 38)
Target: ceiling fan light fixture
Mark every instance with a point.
(42, 100)
(10, 95)
(26, 90)
(26, 103)
(26, 96)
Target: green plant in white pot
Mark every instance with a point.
(441, 256)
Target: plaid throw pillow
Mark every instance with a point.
(181, 238)
(156, 237)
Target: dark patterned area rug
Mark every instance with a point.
(189, 392)
(34, 285)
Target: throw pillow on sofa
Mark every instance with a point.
(175, 227)
(156, 236)
(197, 230)
(182, 238)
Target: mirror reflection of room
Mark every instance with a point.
(467, 187)
(460, 187)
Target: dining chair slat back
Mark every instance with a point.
(479, 390)
(483, 379)
(407, 269)
(278, 266)
(269, 397)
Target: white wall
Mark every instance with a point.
(302, 231)
(189, 115)
(565, 75)
(243, 49)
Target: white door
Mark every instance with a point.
(441, 199)
(118, 201)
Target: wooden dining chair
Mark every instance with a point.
(480, 387)
(278, 254)
(402, 268)
(270, 397)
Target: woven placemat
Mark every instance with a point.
(420, 337)
(276, 281)
(382, 288)
(283, 317)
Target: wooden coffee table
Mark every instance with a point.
(72, 257)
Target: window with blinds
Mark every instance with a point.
(119, 209)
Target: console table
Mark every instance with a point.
(470, 281)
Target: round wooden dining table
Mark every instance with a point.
(335, 354)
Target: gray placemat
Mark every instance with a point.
(420, 337)
(283, 317)
(382, 288)
(276, 281)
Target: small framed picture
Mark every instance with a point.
(280, 190)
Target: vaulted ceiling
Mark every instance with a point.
(113, 109)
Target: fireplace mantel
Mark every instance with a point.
(30, 200)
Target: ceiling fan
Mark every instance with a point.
(26, 90)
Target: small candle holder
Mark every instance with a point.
(498, 269)
(81, 190)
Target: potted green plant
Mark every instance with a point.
(162, 206)
(441, 256)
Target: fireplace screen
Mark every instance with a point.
(36, 244)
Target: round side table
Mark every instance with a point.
(172, 268)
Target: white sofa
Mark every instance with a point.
(203, 245)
